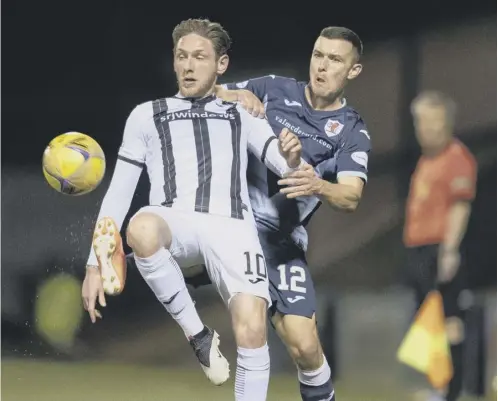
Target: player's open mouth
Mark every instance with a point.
(189, 82)
(320, 80)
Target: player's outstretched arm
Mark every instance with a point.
(248, 100)
(344, 195)
(249, 94)
(116, 204)
(117, 200)
(338, 182)
(131, 159)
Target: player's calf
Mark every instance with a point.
(149, 236)
(248, 314)
(253, 359)
(300, 335)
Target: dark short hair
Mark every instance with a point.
(338, 32)
(213, 31)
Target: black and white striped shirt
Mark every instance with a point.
(195, 152)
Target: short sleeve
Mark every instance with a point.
(352, 157)
(463, 178)
(133, 146)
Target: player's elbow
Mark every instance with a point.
(350, 207)
(352, 200)
(347, 204)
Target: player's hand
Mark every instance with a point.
(303, 182)
(226, 94)
(251, 103)
(289, 146)
(246, 98)
(91, 290)
(448, 264)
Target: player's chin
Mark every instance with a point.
(318, 90)
(322, 90)
(195, 90)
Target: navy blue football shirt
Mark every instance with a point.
(336, 143)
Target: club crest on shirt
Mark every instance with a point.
(333, 128)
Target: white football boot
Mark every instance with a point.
(108, 247)
(213, 363)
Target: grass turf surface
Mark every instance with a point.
(45, 381)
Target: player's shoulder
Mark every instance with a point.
(354, 118)
(354, 125)
(287, 83)
(141, 111)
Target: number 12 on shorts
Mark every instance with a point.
(297, 275)
(257, 269)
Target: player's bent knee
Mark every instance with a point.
(301, 338)
(249, 320)
(147, 233)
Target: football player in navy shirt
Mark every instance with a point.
(336, 144)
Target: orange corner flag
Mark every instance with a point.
(425, 346)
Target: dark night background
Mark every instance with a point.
(83, 66)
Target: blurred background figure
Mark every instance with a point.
(70, 66)
(437, 213)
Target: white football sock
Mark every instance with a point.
(316, 384)
(165, 279)
(315, 377)
(252, 374)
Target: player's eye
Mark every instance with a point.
(200, 57)
(317, 55)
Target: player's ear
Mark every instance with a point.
(355, 70)
(222, 64)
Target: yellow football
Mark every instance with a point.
(73, 163)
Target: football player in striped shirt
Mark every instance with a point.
(195, 147)
(336, 144)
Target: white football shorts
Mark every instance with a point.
(229, 248)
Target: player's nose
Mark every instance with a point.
(189, 64)
(322, 65)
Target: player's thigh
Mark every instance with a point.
(291, 286)
(234, 259)
(184, 246)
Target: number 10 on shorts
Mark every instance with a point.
(256, 267)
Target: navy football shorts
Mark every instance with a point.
(291, 286)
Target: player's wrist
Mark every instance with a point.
(320, 187)
(295, 164)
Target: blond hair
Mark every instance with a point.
(213, 31)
